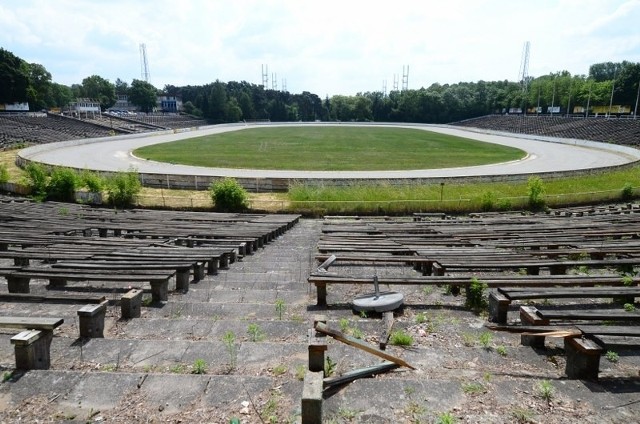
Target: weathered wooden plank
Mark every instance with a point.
(387, 325)
(30, 323)
(360, 373)
(591, 314)
(351, 341)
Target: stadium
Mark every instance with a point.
(114, 313)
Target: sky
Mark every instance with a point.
(326, 47)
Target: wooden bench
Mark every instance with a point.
(530, 315)
(18, 282)
(532, 266)
(322, 279)
(420, 263)
(500, 299)
(182, 268)
(32, 346)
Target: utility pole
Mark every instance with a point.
(613, 86)
(635, 110)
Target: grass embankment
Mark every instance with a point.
(333, 148)
(460, 197)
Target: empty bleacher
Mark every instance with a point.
(617, 131)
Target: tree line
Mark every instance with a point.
(233, 101)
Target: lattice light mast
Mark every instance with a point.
(144, 63)
(265, 76)
(405, 78)
(524, 74)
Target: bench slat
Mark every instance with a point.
(30, 323)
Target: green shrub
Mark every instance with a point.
(4, 173)
(475, 295)
(401, 338)
(627, 192)
(62, 185)
(228, 196)
(92, 181)
(488, 201)
(122, 188)
(36, 178)
(535, 192)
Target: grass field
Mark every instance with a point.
(334, 148)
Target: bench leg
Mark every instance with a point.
(35, 355)
(212, 266)
(91, 320)
(322, 294)
(160, 290)
(498, 307)
(583, 358)
(311, 402)
(198, 271)
(17, 284)
(182, 280)
(131, 303)
(529, 316)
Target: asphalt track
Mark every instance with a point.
(544, 155)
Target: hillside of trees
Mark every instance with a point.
(233, 101)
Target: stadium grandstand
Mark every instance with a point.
(618, 131)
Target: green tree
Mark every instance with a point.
(39, 86)
(97, 88)
(60, 95)
(143, 95)
(218, 102)
(14, 78)
(228, 195)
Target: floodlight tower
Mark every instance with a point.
(284, 85)
(524, 74)
(384, 88)
(524, 67)
(265, 76)
(144, 64)
(405, 78)
(395, 82)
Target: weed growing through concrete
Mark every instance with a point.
(475, 296)
(522, 415)
(501, 350)
(401, 338)
(421, 318)
(344, 325)
(199, 366)
(545, 390)
(612, 356)
(300, 372)
(445, 418)
(468, 339)
(177, 369)
(255, 333)
(279, 369)
(280, 308)
(629, 307)
(329, 366)
(473, 388)
(229, 340)
(485, 339)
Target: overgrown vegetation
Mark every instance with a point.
(535, 192)
(401, 338)
(228, 196)
(476, 299)
(122, 188)
(4, 174)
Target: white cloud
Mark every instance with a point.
(329, 47)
